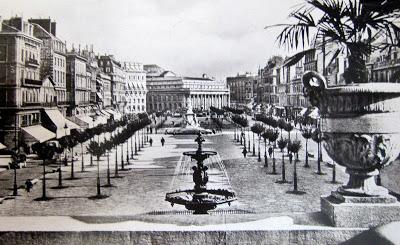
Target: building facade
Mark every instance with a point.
(110, 66)
(78, 83)
(242, 89)
(135, 87)
(170, 92)
(384, 67)
(268, 80)
(53, 59)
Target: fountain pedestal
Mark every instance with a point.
(360, 133)
(200, 199)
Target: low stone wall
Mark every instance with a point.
(309, 237)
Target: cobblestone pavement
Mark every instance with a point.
(142, 189)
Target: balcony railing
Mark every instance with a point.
(387, 63)
(33, 82)
(45, 104)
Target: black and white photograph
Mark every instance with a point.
(199, 122)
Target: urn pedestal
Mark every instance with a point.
(361, 132)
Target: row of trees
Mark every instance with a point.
(118, 131)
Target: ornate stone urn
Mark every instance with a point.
(361, 131)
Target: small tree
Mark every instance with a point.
(272, 138)
(257, 128)
(294, 147)
(307, 133)
(45, 152)
(317, 137)
(97, 150)
(282, 142)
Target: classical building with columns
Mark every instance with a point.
(170, 92)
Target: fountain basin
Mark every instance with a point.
(202, 202)
(188, 131)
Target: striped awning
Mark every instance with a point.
(39, 133)
(60, 121)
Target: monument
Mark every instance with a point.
(190, 123)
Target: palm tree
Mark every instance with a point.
(307, 133)
(350, 23)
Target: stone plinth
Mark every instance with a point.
(345, 211)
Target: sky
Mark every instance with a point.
(219, 38)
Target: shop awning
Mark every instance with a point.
(100, 96)
(303, 112)
(87, 119)
(60, 121)
(107, 114)
(39, 133)
(116, 115)
(100, 120)
(2, 146)
(314, 113)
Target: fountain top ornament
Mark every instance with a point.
(200, 199)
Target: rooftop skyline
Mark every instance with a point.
(188, 37)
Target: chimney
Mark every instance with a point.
(53, 28)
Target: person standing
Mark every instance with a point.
(28, 185)
(162, 141)
(151, 141)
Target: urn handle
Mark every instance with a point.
(314, 87)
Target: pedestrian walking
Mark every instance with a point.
(151, 141)
(28, 185)
(270, 151)
(162, 141)
(244, 152)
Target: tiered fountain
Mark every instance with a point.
(200, 199)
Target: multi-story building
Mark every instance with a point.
(22, 93)
(385, 66)
(104, 89)
(53, 59)
(110, 66)
(169, 92)
(93, 70)
(242, 89)
(135, 87)
(268, 80)
(78, 83)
